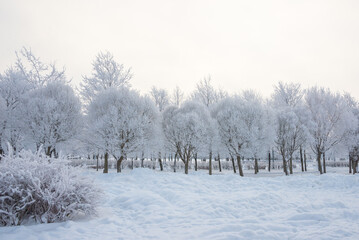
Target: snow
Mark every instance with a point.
(147, 204)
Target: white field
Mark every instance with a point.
(148, 204)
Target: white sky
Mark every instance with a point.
(242, 44)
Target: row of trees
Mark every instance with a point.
(108, 118)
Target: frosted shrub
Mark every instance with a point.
(34, 188)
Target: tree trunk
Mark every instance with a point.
(305, 161)
(255, 166)
(175, 163)
(160, 161)
(301, 158)
(142, 160)
(97, 162)
(195, 162)
(239, 165)
(219, 163)
(291, 164)
(353, 161)
(324, 165)
(319, 162)
(234, 165)
(186, 164)
(210, 163)
(269, 161)
(119, 161)
(285, 169)
(48, 152)
(153, 162)
(273, 157)
(105, 166)
(353, 166)
(55, 154)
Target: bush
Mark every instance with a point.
(34, 188)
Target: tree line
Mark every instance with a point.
(106, 117)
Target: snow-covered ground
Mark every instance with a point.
(147, 204)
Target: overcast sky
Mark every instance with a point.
(241, 44)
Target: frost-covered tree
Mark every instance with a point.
(160, 97)
(331, 121)
(36, 72)
(213, 145)
(2, 123)
(257, 122)
(29, 72)
(241, 124)
(13, 88)
(291, 134)
(51, 115)
(185, 129)
(161, 100)
(352, 142)
(177, 97)
(206, 93)
(290, 119)
(122, 122)
(287, 94)
(106, 73)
